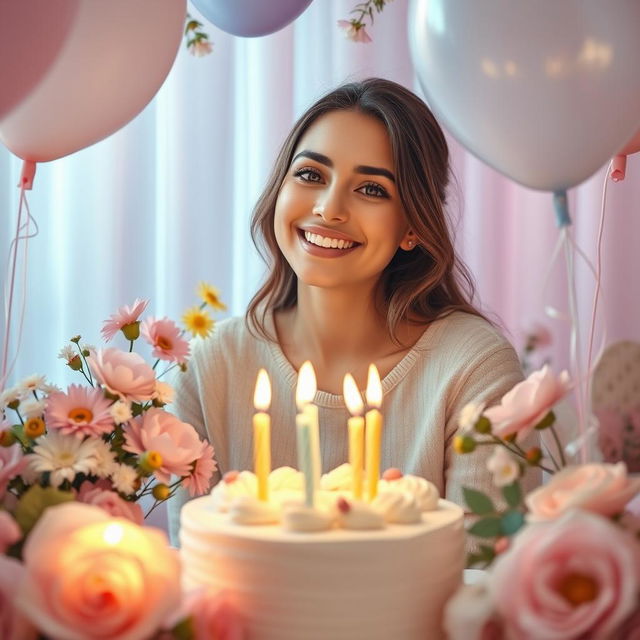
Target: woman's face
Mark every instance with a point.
(338, 218)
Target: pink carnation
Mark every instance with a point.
(9, 531)
(601, 488)
(177, 442)
(12, 464)
(570, 578)
(82, 411)
(164, 336)
(522, 408)
(122, 317)
(124, 374)
(213, 616)
(110, 502)
(13, 624)
(200, 478)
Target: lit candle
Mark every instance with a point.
(309, 459)
(373, 421)
(262, 434)
(355, 424)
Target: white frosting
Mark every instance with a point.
(425, 492)
(244, 484)
(338, 479)
(299, 517)
(360, 516)
(250, 510)
(286, 478)
(399, 507)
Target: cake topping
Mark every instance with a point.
(298, 517)
(343, 505)
(338, 479)
(231, 476)
(392, 474)
(250, 510)
(398, 507)
(425, 492)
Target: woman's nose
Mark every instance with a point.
(330, 208)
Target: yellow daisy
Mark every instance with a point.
(211, 296)
(198, 321)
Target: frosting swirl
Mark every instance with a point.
(299, 517)
(424, 492)
(250, 510)
(398, 507)
(359, 515)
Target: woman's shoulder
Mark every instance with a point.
(463, 332)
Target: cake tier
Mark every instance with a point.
(338, 584)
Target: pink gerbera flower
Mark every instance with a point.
(122, 317)
(164, 336)
(198, 482)
(81, 411)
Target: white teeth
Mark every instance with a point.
(327, 243)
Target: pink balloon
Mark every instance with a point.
(31, 36)
(116, 56)
(619, 162)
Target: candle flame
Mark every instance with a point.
(262, 394)
(306, 387)
(352, 396)
(374, 388)
(113, 533)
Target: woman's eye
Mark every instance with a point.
(307, 174)
(374, 190)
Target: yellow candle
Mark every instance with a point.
(355, 425)
(373, 422)
(262, 434)
(305, 392)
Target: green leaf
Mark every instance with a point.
(511, 522)
(489, 527)
(478, 502)
(513, 494)
(35, 501)
(483, 556)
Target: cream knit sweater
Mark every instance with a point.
(458, 359)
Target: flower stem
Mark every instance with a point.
(130, 346)
(563, 460)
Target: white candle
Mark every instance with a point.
(305, 392)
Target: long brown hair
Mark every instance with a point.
(419, 285)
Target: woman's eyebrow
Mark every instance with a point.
(364, 169)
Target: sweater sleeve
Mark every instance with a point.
(488, 378)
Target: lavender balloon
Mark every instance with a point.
(251, 18)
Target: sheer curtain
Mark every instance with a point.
(166, 201)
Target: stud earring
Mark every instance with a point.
(410, 244)
(318, 210)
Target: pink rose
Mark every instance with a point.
(124, 374)
(471, 615)
(9, 532)
(522, 408)
(111, 502)
(213, 616)
(600, 488)
(177, 442)
(574, 577)
(12, 463)
(630, 630)
(90, 576)
(13, 624)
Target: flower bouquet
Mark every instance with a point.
(74, 465)
(563, 561)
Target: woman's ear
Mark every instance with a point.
(409, 241)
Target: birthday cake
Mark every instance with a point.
(342, 569)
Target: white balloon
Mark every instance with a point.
(544, 91)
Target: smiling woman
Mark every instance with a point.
(363, 270)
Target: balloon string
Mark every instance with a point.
(9, 294)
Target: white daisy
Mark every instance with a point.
(31, 383)
(164, 392)
(105, 459)
(88, 347)
(9, 395)
(68, 352)
(64, 456)
(503, 466)
(120, 412)
(32, 408)
(49, 388)
(469, 415)
(124, 478)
